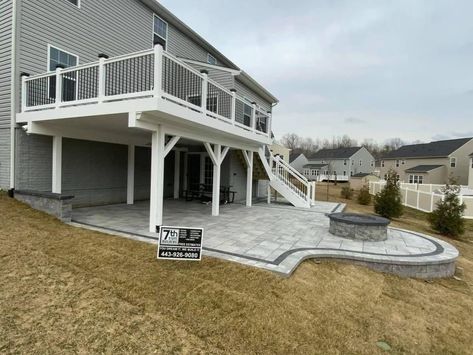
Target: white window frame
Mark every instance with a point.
(416, 179)
(52, 71)
(61, 50)
(76, 6)
(382, 163)
(453, 162)
(361, 162)
(157, 34)
(211, 56)
(345, 162)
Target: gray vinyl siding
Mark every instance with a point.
(222, 77)
(5, 80)
(244, 91)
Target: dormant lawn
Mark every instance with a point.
(70, 290)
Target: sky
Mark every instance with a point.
(374, 69)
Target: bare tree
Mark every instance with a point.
(291, 141)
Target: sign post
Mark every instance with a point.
(180, 243)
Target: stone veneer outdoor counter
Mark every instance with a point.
(359, 227)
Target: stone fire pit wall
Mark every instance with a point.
(359, 227)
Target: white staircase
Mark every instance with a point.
(287, 181)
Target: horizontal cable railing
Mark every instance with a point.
(150, 73)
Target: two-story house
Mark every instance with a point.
(113, 103)
(430, 163)
(335, 164)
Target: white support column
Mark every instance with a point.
(130, 188)
(157, 179)
(216, 180)
(253, 116)
(249, 180)
(57, 165)
(101, 83)
(269, 192)
(177, 173)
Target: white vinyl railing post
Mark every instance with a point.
(253, 116)
(58, 87)
(269, 123)
(101, 84)
(205, 89)
(158, 69)
(24, 93)
(233, 109)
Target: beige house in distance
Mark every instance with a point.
(431, 163)
(470, 175)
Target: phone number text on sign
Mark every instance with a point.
(180, 243)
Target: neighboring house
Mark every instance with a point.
(357, 181)
(123, 102)
(298, 161)
(430, 163)
(281, 151)
(339, 163)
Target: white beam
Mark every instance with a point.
(202, 168)
(212, 156)
(177, 168)
(130, 189)
(216, 181)
(224, 154)
(57, 165)
(249, 180)
(171, 145)
(157, 179)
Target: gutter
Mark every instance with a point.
(13, 94)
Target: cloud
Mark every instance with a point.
(400, 65)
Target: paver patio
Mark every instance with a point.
(277, 237)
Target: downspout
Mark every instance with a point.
(13, 94)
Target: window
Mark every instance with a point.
(344, 173)
(345, 162)
(74, 2)
(58, 57)
(382, 163)
(453, 162)
(403, 162)
(397, 163)
(361, 162)
(416, 179)
(247, 113)
(352, 162)
(372, 163)
(211, 59)
(472, 163)
(160, 34)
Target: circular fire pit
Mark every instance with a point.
(358, 226)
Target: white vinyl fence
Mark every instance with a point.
(423, 197)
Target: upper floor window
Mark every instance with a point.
(211, 59)
(61, 58)
(397, 163)
(382, 163)
(472, 163)
(361, 162)
(74, 2)
(160, 31)
(372, 163)
(247, 113)
(352, 162)
(453, 162)
(345, 162)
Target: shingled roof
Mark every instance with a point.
(423, 168)
(338, 153)
(424, 150)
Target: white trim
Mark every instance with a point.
(130, 183)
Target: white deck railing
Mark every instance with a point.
(423, 197)
(294, 180)
(149, 73)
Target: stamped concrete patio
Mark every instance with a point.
(278, 237)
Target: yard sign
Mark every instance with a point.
(180, 243)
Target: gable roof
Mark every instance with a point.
(168, 16)
(337, 153)
(432, 149)
(423, 168)
(294, 154)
